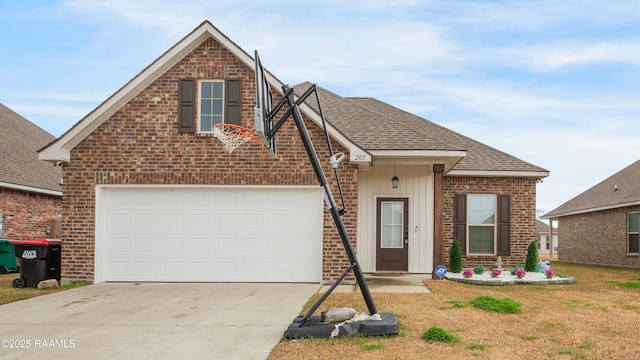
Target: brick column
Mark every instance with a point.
(438, 173)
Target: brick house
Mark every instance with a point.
(30, 191)
(601, 225)
(151, 195)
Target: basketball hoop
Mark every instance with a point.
(233, 136)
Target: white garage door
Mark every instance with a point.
(209, 234)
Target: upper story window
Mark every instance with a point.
(633, 232)
(481, 222)
(204, 103)
(211, 109)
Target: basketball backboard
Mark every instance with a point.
(264, 105)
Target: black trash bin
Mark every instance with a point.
(39, 260)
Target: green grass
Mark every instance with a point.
(572, 303)
(503, 306)
(568, 351)
(629, 284)
(8, 294)
(455, 304)
(435, 333)
(372, 346)
(74, 284)
(477, 346)
(528, 337)
(588, 345)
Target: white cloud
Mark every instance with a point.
(500, 71)
(563, 54)
(537, 15)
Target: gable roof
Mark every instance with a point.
(622, 189)
(386, 131)
(543, 227)
(20, 168)
(369, 129)
(60, 149)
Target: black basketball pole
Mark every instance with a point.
(328, 196)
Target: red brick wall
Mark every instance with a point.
(27, 214)
(523, 220)
(596, 238)
(140, 144)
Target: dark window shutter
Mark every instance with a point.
(233, 100)
(504, 227)
(460, 221)
(187, 106)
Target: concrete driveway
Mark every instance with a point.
(152, 320)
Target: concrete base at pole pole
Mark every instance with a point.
(314, 328)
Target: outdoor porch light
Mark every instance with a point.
(394, 182)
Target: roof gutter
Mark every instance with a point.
(30, 189)
(589, 210)
(504, 173)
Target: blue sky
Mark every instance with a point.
(554, 83)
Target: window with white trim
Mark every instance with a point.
(211, 109)
(481, 224)
(633, 232)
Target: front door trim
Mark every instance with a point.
(390, 258)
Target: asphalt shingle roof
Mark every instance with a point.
(619, 190)
(20, 140)
(375, 125)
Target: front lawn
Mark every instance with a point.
(9, 294)
(597, 317)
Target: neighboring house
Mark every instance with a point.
(601, 225)
(151, 195)
(544, 237)
(30, 191)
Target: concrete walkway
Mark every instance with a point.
(410, 283)
(152, 321)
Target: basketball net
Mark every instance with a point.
(232, 136)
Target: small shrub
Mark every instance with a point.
(532, 256)
(518, 266)
(467, 273)
(455, 257)
(495, 272)
(435, 333)
(494, 266)
(520, 273)
(549, 273)
(478, 269)
(489, 303)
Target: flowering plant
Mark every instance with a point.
(467, 273)
(520, 273)
(495, 272)
(549, 273)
